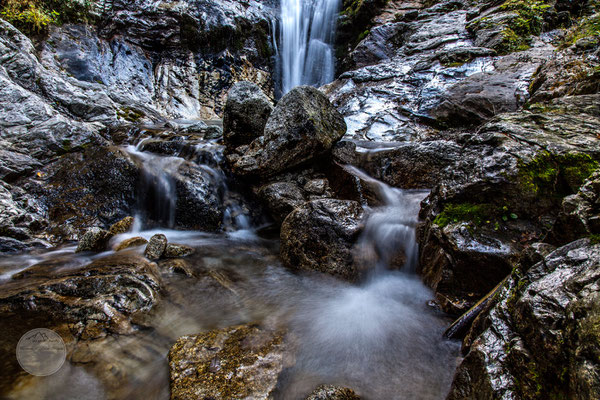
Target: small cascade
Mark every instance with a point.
(391, 226)
(158, 191)
(305, 54)
(158, 185)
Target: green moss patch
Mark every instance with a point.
(557, 175)
(35, 16)
(477, 214)
(587, 27)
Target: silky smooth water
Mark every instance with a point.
(378, 337)
(305, 54)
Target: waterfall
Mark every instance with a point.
(305, 53)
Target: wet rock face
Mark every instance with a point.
(495, 198)
(106, 292)
(541, 337)
(245, 115)
(199, 204)
(96, 187)
(205, 45)
(31, 99)
(319, 235)
(303, 126)
(579, 214)
(238, 362)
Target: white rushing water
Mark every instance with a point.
(305, 52)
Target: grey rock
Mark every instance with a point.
(281, 198)
(303, 126)
(246, 112)
(94, 239)
(319, 235)
(156, 247)
(579, 214)
(10, 245)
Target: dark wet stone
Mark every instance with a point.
(319, 235)
(541, 335)
(177, 250)
(156, 247)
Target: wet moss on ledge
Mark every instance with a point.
(478, 214)
(555, 175)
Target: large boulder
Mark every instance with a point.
(303, 126)
(240, 362)
(319, 236)
(540, 340)
(245, 114)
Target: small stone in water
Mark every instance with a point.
(177, 250)
(94, 239)
(131, 242)
(122, 226)
(156, 247)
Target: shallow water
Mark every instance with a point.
(379, 337)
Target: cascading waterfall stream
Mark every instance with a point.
(305, 53)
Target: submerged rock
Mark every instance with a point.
(174, 250)
(94, 239)
(303, 126)
(131, 242)
(329, 392)
(241, 362)
(156, 247)
(541, 339)
(319, 235)
(245, 115)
